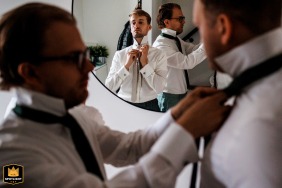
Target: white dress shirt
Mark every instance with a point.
(153, 74)
(176, 61)
(247, 151)
(49, 158)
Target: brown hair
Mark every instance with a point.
(141, 12)
(22, 33)
(165, 12)
(256, 15)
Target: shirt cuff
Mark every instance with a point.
(177, 146)
(123, 73)
(162, 124)
(147, 70)
(202, 46)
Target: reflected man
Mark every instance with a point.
(138, 72)
(181, 55)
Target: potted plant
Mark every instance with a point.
(98, 54)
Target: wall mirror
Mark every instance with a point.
(101, 22)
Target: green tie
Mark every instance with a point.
(178, 44)
(253, 74)
(81, 143)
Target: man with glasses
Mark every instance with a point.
(62, 143)
(181, 55)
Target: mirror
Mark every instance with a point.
(101, 22)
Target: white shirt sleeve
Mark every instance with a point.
(117, 74)
(156, 153)
(193, 54)
(49, 158)
(164, 160)
(156, 76)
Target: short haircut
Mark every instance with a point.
(257, 15)
(165, 12)
(141, 12)
(22, 37)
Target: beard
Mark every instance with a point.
(138, 35)
(76, 99)
(179, 31)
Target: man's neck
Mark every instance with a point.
(139, 40)
(169, 32)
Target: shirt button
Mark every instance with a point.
(144, 72)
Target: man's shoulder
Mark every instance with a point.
(156, 51)
(85, 109)
(87, 114)
(162, 41)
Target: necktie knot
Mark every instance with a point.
(253, 74)
(178, 44)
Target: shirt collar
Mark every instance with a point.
(143, 42)
(40, 101)
(251, 53)
(169, 32)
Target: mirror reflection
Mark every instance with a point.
(138, 72)
(150, 72)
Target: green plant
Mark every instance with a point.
(98, 51)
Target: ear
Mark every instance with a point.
(150, 27)
(224, 26)
(28, 73)
(166, 22)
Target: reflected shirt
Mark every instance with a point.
(50, 159)
(153, 74)
(177, 62)
(247, 150)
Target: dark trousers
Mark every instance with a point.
(149, 105)
(168, 100)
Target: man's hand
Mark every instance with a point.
(202, 111)
(131, 57)
(144, 55)
(190, 99)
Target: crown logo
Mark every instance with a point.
(13, 172)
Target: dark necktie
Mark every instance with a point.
(81, 143)
(239, 83)
(253, 74)
(178, 44)
(246, 78)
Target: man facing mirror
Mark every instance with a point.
(58, 140)
(181, 55)
(138, 72)
(243, 38)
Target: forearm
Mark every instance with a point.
(115, 144)
(115, 79)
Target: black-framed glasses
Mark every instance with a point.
(76, 57)
(180, 18)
